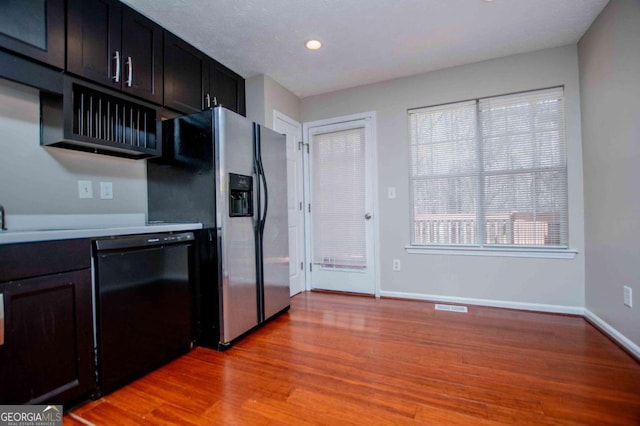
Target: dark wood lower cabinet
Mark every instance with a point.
(47, 355)
(46, 330)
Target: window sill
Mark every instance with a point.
(540, 253)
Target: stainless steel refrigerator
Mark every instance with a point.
(230, 174)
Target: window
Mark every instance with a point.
(490, 172)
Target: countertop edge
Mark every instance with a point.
(17, 237)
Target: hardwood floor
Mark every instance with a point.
(337, 359)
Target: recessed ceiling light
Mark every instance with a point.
(313, 44)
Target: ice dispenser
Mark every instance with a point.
(240, 195)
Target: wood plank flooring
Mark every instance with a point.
(338, 359)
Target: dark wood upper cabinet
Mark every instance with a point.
(185, 72)
(34, 28)
(226, 88)
(142, 56)
(111, 44)
(193, 81)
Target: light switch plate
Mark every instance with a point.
(391, 192)
(628, 296)
(85, 189)
(106, 190)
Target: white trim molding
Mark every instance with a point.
(539, 253)
(614, 334)
(538, 307)
(369, 118)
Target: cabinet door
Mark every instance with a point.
(142, 56)
(94, 40)
(185, 70)
(34, 28)
(47, 355)
(226, 88)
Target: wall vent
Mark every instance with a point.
(451, 308)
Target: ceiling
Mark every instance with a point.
(366, 41)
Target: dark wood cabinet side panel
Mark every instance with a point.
(242, 102)
(24, 260)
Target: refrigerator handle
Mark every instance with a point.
(266, 197)
(256, 167)
(262, 213)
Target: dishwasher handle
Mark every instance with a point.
(1, 319)
(141, 241)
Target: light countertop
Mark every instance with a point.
(30, 228)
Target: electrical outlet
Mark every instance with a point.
(85, 189)
(396, 265)
(106, 190)
(628, 296)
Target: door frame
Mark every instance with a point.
(371, 141)
(277, 115)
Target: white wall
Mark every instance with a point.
(533, 282)
(264, 95)
(610, 87)
(38, 180)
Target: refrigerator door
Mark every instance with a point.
(236, 239)
(275, 238)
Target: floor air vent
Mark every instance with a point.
(452, 308)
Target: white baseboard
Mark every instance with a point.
(618, 337)
(539, 307)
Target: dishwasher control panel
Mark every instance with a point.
(143, 240)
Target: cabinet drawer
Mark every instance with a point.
(25, 260)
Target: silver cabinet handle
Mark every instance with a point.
(215, 101)
(130, 68)
(207, 99)
(368, 216)
(116, 76)
(1, 319)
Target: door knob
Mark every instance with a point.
(367, 216)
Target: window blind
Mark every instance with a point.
(490, 172)
(338, 190)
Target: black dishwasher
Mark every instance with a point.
(143, 304)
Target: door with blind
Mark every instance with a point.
(341, 207)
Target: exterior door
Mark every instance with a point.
(341, 206)
(293, 131)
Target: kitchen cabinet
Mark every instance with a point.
(113, 45)
(226, 88)
(35, 29)
(185, 72)
(193, 81)
(93, 119)
(46, 345)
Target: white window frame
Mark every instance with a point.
(481, 248)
